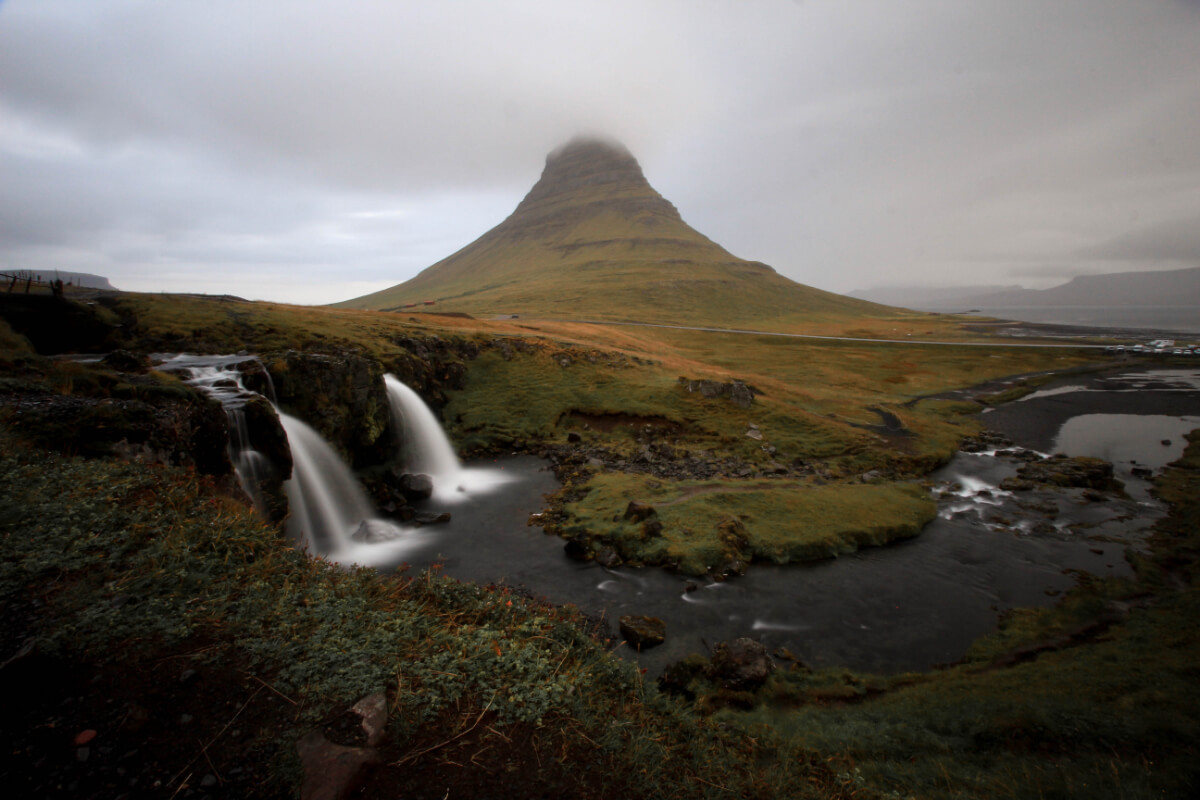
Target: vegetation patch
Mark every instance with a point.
(700, 527)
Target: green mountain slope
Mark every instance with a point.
(594, 240)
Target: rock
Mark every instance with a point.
(84, 736)
(574, 438)
(607, 557)
(342, 396)
(738, 392)
(431, 517)
(125, 361)
(1080, 472)
(1142, 472)
(331, 771)
(741, 664)
(754, 433)
(373, 710)
(642, 632)
(416, 486)
(578, 548)
(639, 511)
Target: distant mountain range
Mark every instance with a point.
(1119, 289)
(594, 240)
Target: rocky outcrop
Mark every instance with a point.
(738, 393)
(342, 396)
(1078, 472)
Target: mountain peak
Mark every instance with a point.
(591, 171)
(593, 240)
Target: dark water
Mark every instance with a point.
(904, 607)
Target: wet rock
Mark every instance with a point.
(431, 517)
(416, 486)
(741, 664)
(578, 548)
(642, 632)
(342, 396)
(607, 557)
(1079, 472)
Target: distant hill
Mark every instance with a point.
(71, 278)
(593, 240)
(1171, 288)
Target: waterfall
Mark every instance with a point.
(329, 514)
(428, 451)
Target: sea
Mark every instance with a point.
(1179, 319)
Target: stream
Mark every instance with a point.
(904, 607)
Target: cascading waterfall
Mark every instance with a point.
(329, 513)
(428, 450)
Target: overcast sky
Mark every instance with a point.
(311, 151)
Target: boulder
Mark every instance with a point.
(416, 486)
(741, 664)
(642, 632)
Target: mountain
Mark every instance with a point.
(594, 240)
(1179, 287)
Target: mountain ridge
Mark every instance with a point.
(1179, 287)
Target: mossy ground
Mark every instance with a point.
(705, 524)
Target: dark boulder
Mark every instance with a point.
(741, 664)
(416, 486)
(642, 632)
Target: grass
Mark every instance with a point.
(703, 525)
(1094, 697)
(136, 562)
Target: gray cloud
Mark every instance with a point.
(313, 150)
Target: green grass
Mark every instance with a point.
(706, 524)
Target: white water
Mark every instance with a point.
(428, 450)
(329, 514)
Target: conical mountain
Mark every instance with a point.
(594, 240)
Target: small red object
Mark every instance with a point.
(83, 737)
